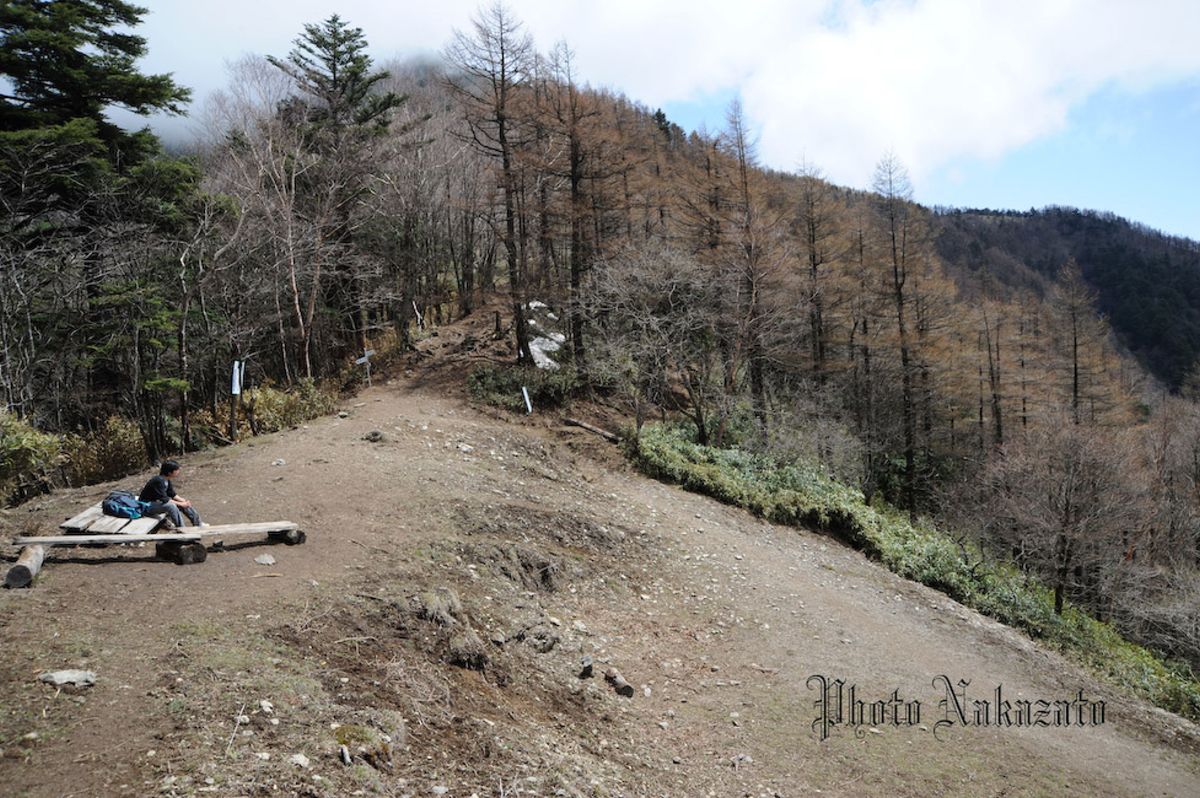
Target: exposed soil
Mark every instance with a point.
(455, 574)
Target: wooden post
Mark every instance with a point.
(26, 568)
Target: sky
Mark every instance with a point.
(989, 103)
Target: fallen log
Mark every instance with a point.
(603, 433)
(26, 567)
(618, 683)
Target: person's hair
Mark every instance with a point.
(168, 467)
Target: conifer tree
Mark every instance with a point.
(330, 64)
(341, 109)
(65, 60)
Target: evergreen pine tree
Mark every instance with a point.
(63, 61)
(329, 64)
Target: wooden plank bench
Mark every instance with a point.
(80, 522)
(94, 521)
(93, 528)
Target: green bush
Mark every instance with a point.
(276, 410)
(501, 386)
(209, 430)
(788, 494)
(803, 495)
(32, 461)
(28, 458)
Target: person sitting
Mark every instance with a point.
(160, 494)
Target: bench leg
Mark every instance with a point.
(181, 553)
(292, 537)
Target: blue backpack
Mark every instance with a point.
(123, 504)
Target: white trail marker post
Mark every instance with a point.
(236, 382)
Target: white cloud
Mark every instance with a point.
(937, 80)
(835, 81)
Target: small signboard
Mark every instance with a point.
(365, 360)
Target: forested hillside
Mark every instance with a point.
(1147, 283)
(952, 365)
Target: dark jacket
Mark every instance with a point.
(158, 489)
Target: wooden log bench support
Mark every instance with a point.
(26, 567)
(623, 688)
(181, 553)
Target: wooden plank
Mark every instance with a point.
(82, 520)
(106, 525)
(261, 527)
(141, 526)
(26, 567)
(77, 540)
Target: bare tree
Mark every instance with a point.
(815, 225)
(656, 309)
(1080, 343)
(490, 66)
(1063, 499)
(898, 234)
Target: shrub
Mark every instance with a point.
(275, 409)
(208, 430)
(111, 452)
(27, 458)
(32, 461)
(501, 386)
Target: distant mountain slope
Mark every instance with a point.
(1148, 283)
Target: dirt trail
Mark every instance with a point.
(721, 616)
